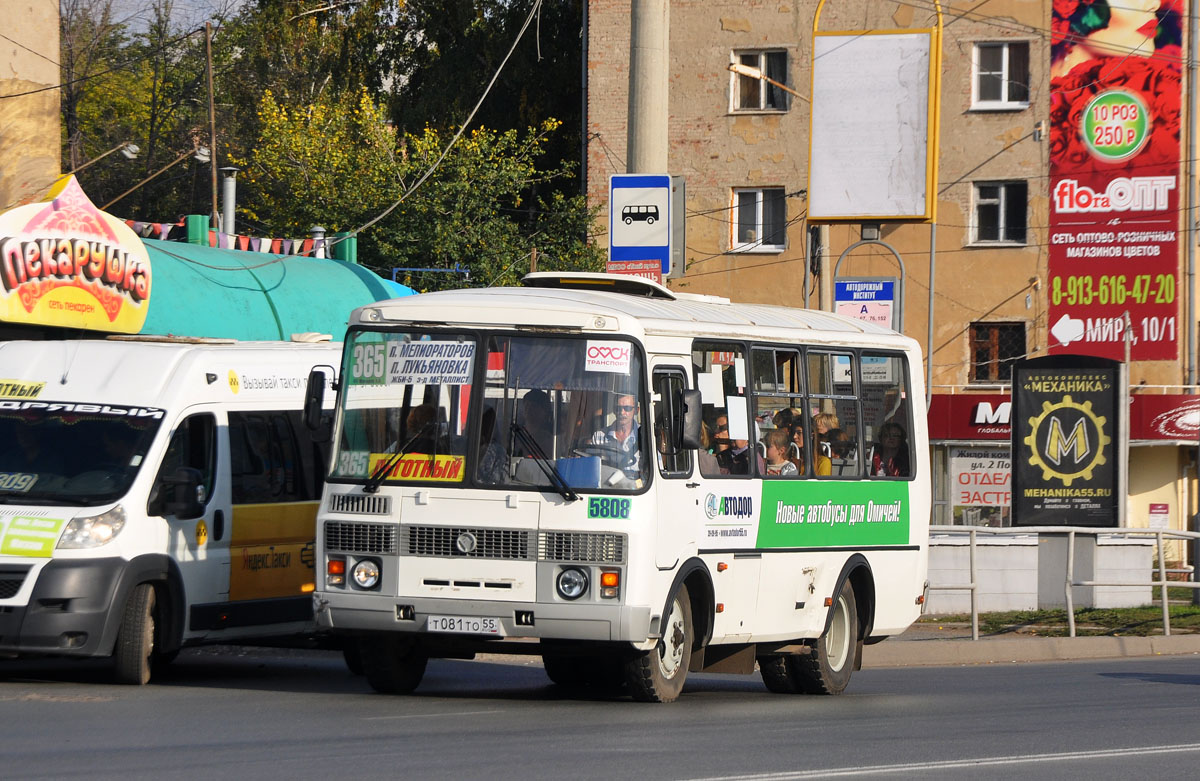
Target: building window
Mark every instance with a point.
(1000, 212)
(1001, 76)
(752, 94)
(759, 220)
(994, 349)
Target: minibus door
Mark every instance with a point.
(678, 489)
(198, 532)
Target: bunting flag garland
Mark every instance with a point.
(300, 247)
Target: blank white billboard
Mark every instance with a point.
(870, 147)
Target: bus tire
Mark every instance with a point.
(826, 669)
(778, 674)
(134, 652)
(392, 664)
(657, 675)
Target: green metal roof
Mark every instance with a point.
(203, 291)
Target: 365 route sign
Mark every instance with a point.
(639, 225)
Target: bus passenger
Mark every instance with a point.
(890, 458)
(776, 442)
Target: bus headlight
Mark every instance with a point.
(366, 574)
(572, 583)
(93, 531)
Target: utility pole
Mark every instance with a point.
(649, 41)
(212, 124)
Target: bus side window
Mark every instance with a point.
(887, 416)
(720, 374)
(193, 445)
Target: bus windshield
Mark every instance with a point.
(72, 453)
(551, 411)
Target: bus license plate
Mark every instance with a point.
(467, 626)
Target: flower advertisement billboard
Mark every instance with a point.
(1114, 177)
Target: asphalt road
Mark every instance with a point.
(222, 713)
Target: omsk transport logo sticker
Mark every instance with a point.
(1067, 440)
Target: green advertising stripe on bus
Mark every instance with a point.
(809, 513)
(31, 536)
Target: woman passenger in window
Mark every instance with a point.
(890, 458)
(821, 463)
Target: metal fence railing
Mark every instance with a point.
(1069, 582)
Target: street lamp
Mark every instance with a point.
(126, 148)
(750, 72)
(195, 152)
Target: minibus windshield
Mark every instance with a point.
(72, 453)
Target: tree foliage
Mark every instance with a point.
(342, 165)
(337, 111)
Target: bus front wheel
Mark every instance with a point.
(657, 675)
(392, 664)
(827, 667)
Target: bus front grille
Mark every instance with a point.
(361, 504)
(579, 546)
(461, 542)
(11, 579)
(360, 537)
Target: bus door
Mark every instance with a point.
(198, 545)
(679, 492)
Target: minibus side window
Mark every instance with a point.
(721, 377)
(193, 445)
(265, 459)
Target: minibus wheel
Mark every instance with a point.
(135, 639)
(657, 675)
(391, 663)
(827, 667)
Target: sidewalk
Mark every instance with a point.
(949, 644)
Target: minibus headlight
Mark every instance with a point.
(93, 531)
(366, 574)
(572, 583)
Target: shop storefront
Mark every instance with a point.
(970, 436)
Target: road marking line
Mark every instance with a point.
(953, 764)
(431, 715)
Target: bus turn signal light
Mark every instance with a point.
(335, 572)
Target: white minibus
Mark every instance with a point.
(155, 493)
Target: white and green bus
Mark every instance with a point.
(632, 482)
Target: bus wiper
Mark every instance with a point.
(539, 456)
(376, 479)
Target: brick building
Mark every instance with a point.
(743, 147)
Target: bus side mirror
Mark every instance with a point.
(183, 493)
(314, 399)
(689, 403)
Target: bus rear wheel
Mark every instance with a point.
(777, 673)
(827, 667)
(657, 675)
(392, 664)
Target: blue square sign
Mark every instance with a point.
(639, 220)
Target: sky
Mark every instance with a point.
(187, 12)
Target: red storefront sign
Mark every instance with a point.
(978, 417)
(1114, 179)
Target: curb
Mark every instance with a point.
(928, 653)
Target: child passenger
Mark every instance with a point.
(776, 442)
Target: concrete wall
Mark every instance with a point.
(29, 123)
(1028, 572)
